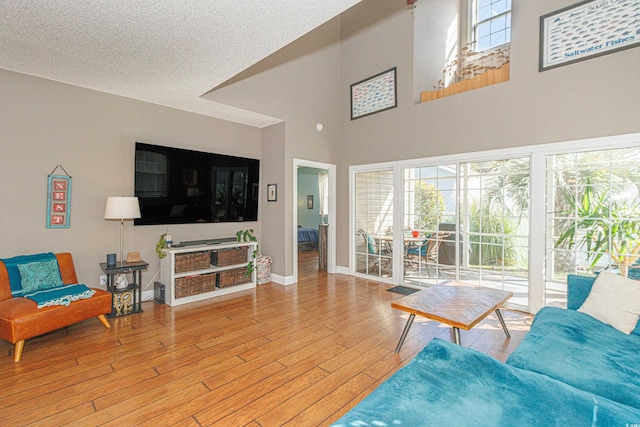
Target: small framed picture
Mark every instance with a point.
(272, 192)
(310, 202)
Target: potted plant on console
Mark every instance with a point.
(247, 236)
(161, 245)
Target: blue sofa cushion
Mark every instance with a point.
(578, 289)
(450, 385)
(577, 349)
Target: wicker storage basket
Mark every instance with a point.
(192, 261)
(194, 285)
(233, 277)
(229, 256)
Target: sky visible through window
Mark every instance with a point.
(492, 23)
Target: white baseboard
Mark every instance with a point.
(282, 280)
(342, 270)
(147, 296)
(288, 280)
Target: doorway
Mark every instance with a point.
(314, 239)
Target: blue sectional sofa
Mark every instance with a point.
(570, 370)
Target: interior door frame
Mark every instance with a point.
(331, 232)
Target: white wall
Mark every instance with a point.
(92, 135)
(435, 41)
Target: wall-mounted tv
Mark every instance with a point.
(179, 186)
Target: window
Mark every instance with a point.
(460, 45)
(490, 23)
(592, 215)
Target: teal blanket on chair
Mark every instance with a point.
(450, 385)
(15, 280)
(63, 295)
(58, 295)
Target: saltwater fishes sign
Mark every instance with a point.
(588, 29)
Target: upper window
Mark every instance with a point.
(491, 23)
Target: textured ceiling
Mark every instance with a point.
(167, 52)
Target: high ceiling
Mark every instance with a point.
(167, 52)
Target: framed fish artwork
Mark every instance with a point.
(374, 94)
(588, 29)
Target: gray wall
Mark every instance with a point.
(273, 167)
(300, 85)
(593, 98)
(92, 135)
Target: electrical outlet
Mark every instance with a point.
(103, 279)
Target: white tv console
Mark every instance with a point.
(168, 273)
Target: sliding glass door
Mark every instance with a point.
(494, 223)
(430, 217)
(468, 221)
(520, 220)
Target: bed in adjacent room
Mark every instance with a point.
(307, 239)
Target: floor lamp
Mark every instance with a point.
(120, 207)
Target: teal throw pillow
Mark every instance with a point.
(41, 275)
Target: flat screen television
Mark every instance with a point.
(179, 186)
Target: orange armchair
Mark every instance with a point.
(20, 319)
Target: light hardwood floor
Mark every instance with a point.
(300, 355)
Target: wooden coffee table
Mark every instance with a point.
(459, 305)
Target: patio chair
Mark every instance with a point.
(382, 256)
(427, 249)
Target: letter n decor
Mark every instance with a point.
(586, 30)
(59, 200)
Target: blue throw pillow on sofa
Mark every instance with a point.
(40, 275)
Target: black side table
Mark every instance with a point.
(127, 300)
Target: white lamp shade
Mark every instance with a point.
(120, 207)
